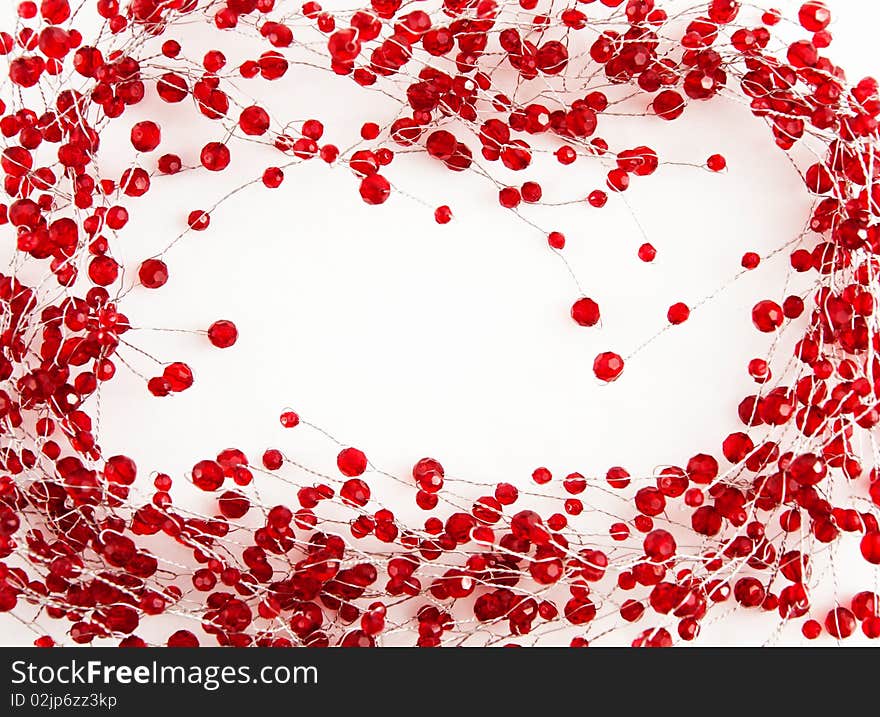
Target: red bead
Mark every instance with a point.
(556, 240)
(355, 492)
(153, 273)
(716, 163)
(222, 334)
(443, 215)
(767, 316)
(198, 220)
(375, 189)
(351, 462)
(145, 136)
(608, 366)
(254, 121)
(669, 105)
(207, 475)
(750, 260)
(541, 476)
(618, 180)
(840, 623)
(678, 313)
(617, 477)
(659, 546)
(215, 156)
(811, 629)
(870, 547)
(289, 419)
(585, 312)
(814, 16)
(597, 198)
(273, 177)
(647, 253)
(428, 474)
(509, 197)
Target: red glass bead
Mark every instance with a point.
(355, 492)
(678, 313)
(767, 316)
(556, 240)
(750, 260)
(428, 474)
(541, 476)
(716, 163)
(597, 198)
(443, 215)
(289, 419)
(145, 136)
(608, 366)
(647, 253)
(669, 105)
(153, 273)
(215, 156)
(840, 623)
(814, 16)
(585, 312)
(207, 475)
(351, 462)
(375, 189)
(222, 334)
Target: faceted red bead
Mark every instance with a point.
(222, 334)
(428, 474)
(153, 273)
(443, 215)
(767, 316)
(840, 623)
(585, 312)
(351, 462)
(207, 475)
(254, 121)
(375, 189)
(289, 419)
(145, 136)
(814, 16)
(608, 366)
(355, 492)
(669, 105)
(215, 156)
(678, 313)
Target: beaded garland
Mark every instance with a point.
(731, 530)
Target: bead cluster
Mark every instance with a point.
(737, 525)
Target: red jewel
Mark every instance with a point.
(585, 312)
(608, 366)
(289, 419)
(541, 476)
(814, 16)
(647, 253)
(669, 105)
(767, 316)
(222, 334)
(556, 240)
(145, 136)
(375, 189)
(717, 163)
(597, 198)
(443, 215)
(428, 474)
(750, 260)
(153, 273)
(351, 462)
(678, 313)
(355, 492)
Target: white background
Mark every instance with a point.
(408, 339)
